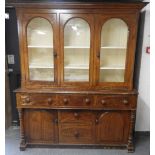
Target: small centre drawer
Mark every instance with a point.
(75, 100)
(37, 100)
(76, 116)
(76, 133)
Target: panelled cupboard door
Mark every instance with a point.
(112, 127)
(115, 49)
(41, 126)
(76, 38)
(39, 57)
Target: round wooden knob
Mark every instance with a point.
(49, 100)
(125, 101)
(76, 115)
(87, 100)
(96, 121)
(76, 134)
(27, 100)
(103, 102)
(65, 100)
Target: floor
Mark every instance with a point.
(12, 147)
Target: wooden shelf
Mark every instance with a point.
(77, 47)
(113, 47)
(40, 67)
(76, 67)
(37, 46)
(112, 67)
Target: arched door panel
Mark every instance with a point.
(111, 127)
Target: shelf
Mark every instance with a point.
(39, 66)
(70, 47)
(43, 79)
(110, 68)
(76, 79)
(76, 67)
(37, 46)
(113, 47)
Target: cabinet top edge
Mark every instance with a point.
(80, 5)
(22, 90)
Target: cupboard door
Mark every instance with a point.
(76, 39)
(112, 127)
(40, 57)
(115, 50)
(41, 126)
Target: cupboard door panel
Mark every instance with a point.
(112, 127)
(76, 33)
(33, 125)
(41, 126)
(48, 126)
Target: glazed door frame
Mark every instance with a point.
(64, 18)
(131, 21)
(24, 17)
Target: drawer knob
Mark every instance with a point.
(77, 134)
(96, 121)
(65, 100)
(55, 121)
(76, 115)
(27, 100)
(87, 100)
(125, 101)
(49, 100)
(103, 102)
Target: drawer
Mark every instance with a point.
(115, 102)
(76, 133)
(76, 116)
(37, 100)
(75, 100)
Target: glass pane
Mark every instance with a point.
(40, 50)
(114, 37)
(76, 50)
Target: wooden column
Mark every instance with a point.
(132, 126)
(22, 134)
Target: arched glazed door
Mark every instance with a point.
(76, 40)
(114, 56)
(40, 63)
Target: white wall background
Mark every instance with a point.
(143, 109)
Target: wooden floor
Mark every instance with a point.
(12, 147)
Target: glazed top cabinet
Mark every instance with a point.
(79, 46)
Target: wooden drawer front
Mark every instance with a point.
(75, 116)
(76, 133)
(75, 100)
(115, 102)
(37, 100)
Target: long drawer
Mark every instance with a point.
(36, 100)
(74, 133)
(77, 101)
(115, 102)
(76, 117)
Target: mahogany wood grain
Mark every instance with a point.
(72, 133)
(77, 113)
(112, 127)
